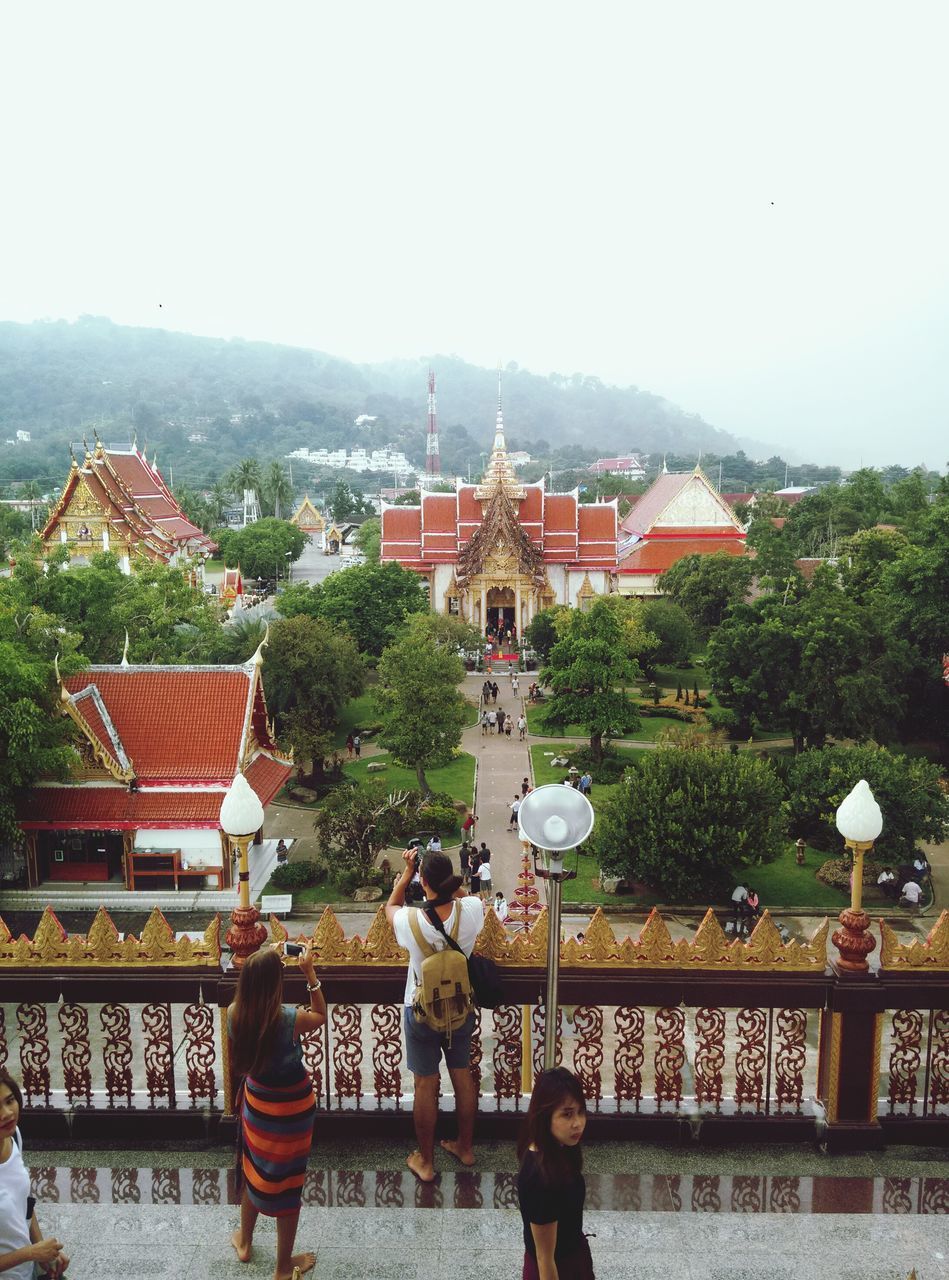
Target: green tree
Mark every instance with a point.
(422, 711)
(262, 550)
(277, 490)
(372, 601)
(588, 669)
(355, 824)
(673, 628)
(368, 538)
(346, 501)
(707, 586)
(542, 632)
(687, 821)
(245, 475)
(908, 791)
(864, 556)
(821, 665)
(34, 738)
(311, 670)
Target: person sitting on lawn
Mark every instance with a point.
(911, 895)
(886, 881)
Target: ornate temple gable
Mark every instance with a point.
(258, 732)
(500, 547)
(306, 516)
(696, 506)
(101, 745)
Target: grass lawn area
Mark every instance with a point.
(784, 884)
(324, 892)
(214, 566)
(456, 778)
(537, 724)
(357, 713)
(545, 773)
(652, 727)
(583, 890)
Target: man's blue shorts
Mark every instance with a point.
(424, 1047)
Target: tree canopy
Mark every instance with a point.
(371, 600)
(688, 821)
(588, 668)
(707, 586)
(417, 697)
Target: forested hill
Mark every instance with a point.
(59, 379)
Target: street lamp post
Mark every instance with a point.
(242, 815)
(859, 821)
(555, 819)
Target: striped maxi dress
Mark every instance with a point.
(276, 1126)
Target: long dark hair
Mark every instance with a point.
(552, 1088)
(256, 1011)
(438, 873)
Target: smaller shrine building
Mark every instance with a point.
(156, 749)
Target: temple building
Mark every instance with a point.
(307, 518)
(679, 515)
(157, 748)
(496, 553)
(116, 500)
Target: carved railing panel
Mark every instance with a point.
(477, 1052)
(313, 1044)
(938, 1099)
(670, 1055)
(790, 1059)
(588, 1053)
(34, 1052)
(386, 1023)
(117, 1051)
(200, 1052)
(507, 1053)
(347, 1052)
(76, 1052)
(159, 1053)
(709, 1056)
(629, 1055)
(905, 1058)
(538, 1031)
(751, 1057)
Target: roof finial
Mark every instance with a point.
(63, 691)
(665, 469)
(258, 657)
(125, 651)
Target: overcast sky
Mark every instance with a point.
(739, 206)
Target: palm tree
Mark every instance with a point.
(219, 500)
(246, 475)
(277, 488)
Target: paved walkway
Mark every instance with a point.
(502, 763)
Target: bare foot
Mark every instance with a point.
(242, 1250)
(424, 1172)
(301, 1263)
(467, 1158)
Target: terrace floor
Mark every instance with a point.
(747, 1213)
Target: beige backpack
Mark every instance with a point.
(443, 997)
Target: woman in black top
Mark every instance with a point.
(550, 1186)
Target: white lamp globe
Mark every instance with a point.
(241, 811)
(859, 819)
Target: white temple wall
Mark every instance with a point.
(202, 846)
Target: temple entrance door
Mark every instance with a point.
(501, 612)
(79, 855)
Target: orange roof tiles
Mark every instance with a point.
(655, 556)
(175, 722)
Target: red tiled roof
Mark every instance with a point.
(655, 500)
(733, 498)
(401, 524)
(560, 513)
(116, 807)
(175, 722)
(532, 507)
(597, 522)
(655, 556)
(439, 513)
(469, 508)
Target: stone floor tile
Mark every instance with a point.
(89, 1261)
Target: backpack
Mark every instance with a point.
(442, 998)
(484, 975)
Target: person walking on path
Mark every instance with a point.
(485, 721)
(494, 691)
(501, 718)
(276, 1104)
(350, 746)
(514, 683)
(508, 726)
(462, 917)
(515, 806)
(468, 826)
(357, 745)
(522, 726)
(492, 720)
(484, 876)
(525, 786)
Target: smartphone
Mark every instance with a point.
(293, 949)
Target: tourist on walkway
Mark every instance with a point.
(464, 861)
(514, 683)
(494, 690)
(500, 906)
(525, 786)
(474, 872)
(501, 717)
(550, 1185)
(357, 745)
(434, 844)
(886, 880)
(522, 726)
(508, 727)
(485, 721)
(350, 746)
(467, 827)
(22, 1243)
(516, 804)
(463, 917)
(492, 720)
(484, 875)
(275, 1102)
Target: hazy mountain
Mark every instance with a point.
(58, 379)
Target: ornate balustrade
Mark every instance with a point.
(743, 1038)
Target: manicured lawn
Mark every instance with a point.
(583, 890)
(783, 884)
(537, 725)
(545, 773)
(652, 727)
(214, 566)
(357, 713)
(456, 778)
(312, 893)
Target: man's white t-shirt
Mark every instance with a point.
(912, 891)
(484, 872)
(469, 926)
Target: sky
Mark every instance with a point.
(738, 206)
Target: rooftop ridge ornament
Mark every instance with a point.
(902, 956)
(102, 948)
(499, 473)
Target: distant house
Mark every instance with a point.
(679, 515)
(794, 493)
(629, 465)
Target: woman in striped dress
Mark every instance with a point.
(277, 1104)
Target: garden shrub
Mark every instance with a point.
(297, 875)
